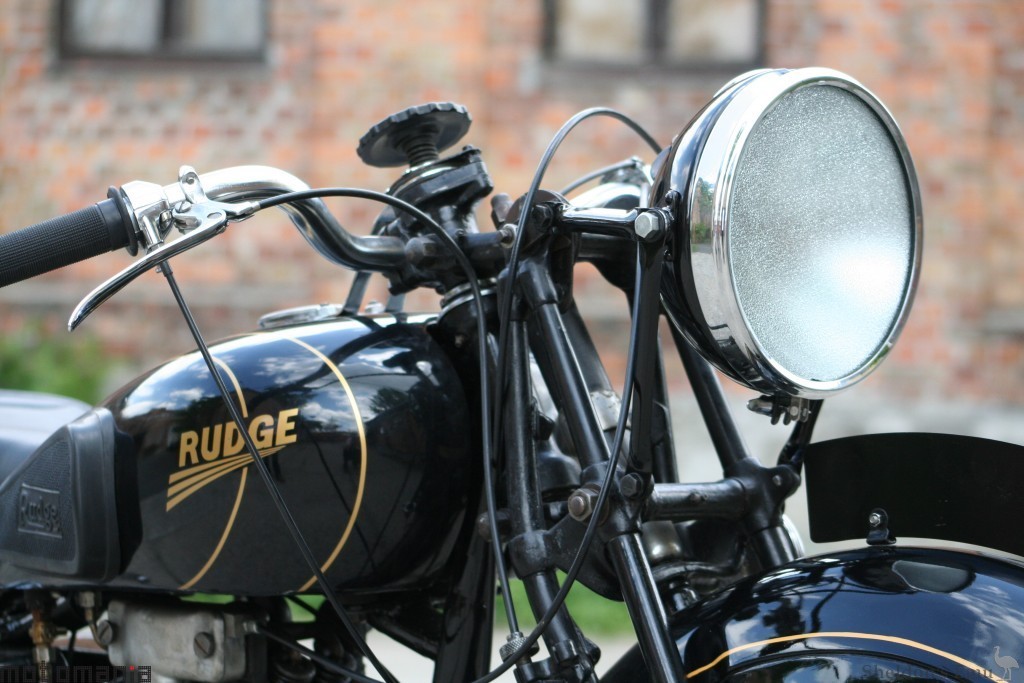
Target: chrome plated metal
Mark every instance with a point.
(802, 280)
(148, 203)
(202, 205)
(463, 294)
(661, 542)
(312, 218)
(204, 221)
(632, 171)
(739, 79)
(607, 406)
(794, 536)
(612, 196)
(301, 314)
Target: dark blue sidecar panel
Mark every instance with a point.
(874, 614)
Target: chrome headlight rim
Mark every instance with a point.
(708, 154)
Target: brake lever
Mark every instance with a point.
(199, 218)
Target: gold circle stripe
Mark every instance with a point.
(238, 496)
(241, 484)
(976, 668)
(362, 468)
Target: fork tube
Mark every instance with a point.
(646, 387)
(525, 509)
(594, 373)
(645, 609)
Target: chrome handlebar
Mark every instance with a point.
(153, 207)
(201, 206)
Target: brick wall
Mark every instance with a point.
(951, 72)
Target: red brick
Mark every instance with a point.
(950, 71)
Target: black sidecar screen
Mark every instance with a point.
(941, 486)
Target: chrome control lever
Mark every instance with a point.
(198, 217)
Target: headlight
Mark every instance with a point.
(796, 230)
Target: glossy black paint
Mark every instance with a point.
(957, 488)
(394, 509)
(888, 613)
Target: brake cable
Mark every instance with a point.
(481, 331)
(505, 312)
(627, 392)
(505, 298)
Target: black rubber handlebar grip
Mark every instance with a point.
(61, 241)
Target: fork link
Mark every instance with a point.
(573, 656)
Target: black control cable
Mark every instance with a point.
(481, 331)
(606, 485)
(261, 466)
(268, 479)
(506, 297)
(620, 430)
(505, 311)
(485, 404)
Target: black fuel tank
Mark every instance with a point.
(364, 426)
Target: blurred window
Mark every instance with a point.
(683, 34)
(163, 29)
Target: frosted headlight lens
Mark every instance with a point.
(820, 233)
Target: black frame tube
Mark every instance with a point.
(725, 499)
(561, 367)
(732, 451)
(646, 387)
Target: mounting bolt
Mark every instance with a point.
(777, 480)
(106, 632)
(631, 486)
(423, 251)
(874, 520)
(648, 225)
(203, 645)
(582, 501)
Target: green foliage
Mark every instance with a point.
(34, 359)
(594, 614)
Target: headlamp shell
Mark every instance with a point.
(796, 231)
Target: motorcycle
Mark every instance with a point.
(401, 466)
